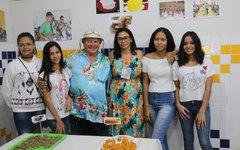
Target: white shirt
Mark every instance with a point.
(59, 92)
(18, 90)
(160, 74)
(192, 79)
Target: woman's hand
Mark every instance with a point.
(183, 112)
(201, 120)
(42, 84)
(68, 104)
(147, 115)
(60, 128)
(171, 56)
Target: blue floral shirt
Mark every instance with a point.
(88, 86)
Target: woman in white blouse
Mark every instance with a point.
(158, 85)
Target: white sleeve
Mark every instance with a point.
(7, 86)
(175, 68)
(69, 72)
(39, 64)
(144, 65)
(210, 70)
(41, 74)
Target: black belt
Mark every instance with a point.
(193, 101)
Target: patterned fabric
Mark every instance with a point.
(20, 92)
(126, 98)
(60, 83)
(88, 86)
(193, 79)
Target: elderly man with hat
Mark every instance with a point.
(47, 31)
(90, 69)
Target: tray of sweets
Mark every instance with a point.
(46, 141)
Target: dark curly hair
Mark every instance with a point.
(117, 48)
(170, 41)
(199, 53)
(47, 65)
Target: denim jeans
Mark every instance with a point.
(24, 123)
(52, 124)
(162, 107)
(81, 126)
(188, 130)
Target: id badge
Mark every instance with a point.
(126, 72)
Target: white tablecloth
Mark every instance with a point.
(75, 142)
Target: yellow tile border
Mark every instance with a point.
(215, 59)
(235, 59)
(225, 49)
(235, 49)
(224, 68)
(216, 78)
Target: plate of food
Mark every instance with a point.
(39, 142)
(120, 142)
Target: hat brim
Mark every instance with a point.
(92, 37)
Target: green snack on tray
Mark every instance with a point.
(44, 141)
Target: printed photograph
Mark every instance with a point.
(53, 25)
(206, 8)
(172, 10)
(3, 32)
(107, 6)
(120, 22)
(135, 5)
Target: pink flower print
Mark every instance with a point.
(86, 70)
(205, 67)
(82, 101)
(104, 114)
(92, 108)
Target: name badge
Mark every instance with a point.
(126, 73)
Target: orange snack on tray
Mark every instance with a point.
(112, 120)
(120, 143)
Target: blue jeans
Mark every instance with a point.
(162, 107)
(187, 127)
(52, 124)
(24, 123)
(81, 126)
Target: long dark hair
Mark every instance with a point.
(47, 65)
(170, 41)
(117, 48)
(199, 53)
(30, 36)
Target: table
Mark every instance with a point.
(76, 142)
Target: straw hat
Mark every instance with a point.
(92, 33)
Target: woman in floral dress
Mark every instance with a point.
(125, 99)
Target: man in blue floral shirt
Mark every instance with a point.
(90, 70)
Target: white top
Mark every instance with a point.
(160, 74)
(59, 92)
(192, 79)
(18, 90)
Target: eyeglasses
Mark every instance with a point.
(21, 45)
(125, 38)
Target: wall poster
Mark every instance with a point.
(206, 8)
(3, 32)
(53, 25)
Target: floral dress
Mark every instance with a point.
(126, 97)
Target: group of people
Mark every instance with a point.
(88, 86)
